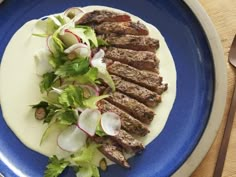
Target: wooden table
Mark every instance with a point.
(223, 15)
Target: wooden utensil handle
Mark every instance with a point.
(225, 141)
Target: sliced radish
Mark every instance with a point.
(97, 60)
(51, 45)
(73, 11)
(88, 121)
(71, 139)
(69, 38)
(55, 20)
(41, 60)
(79, 49)
(110, 123)
(93, 91)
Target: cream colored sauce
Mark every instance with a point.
(20, 88)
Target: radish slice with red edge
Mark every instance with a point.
(71, 139)
(110, 123)
(88, 121)
(69, 38)
(51, 45)
(73, 11)
(93, 90)
(79, 49)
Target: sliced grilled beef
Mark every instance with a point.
(99, 16)
(142, 43)
(140, 93)
(132, 28)
(128, 123)
(128, 142)
(114, 154)
(146, 79)
(143, 60)
(132, 106)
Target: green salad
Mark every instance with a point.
(71, 68)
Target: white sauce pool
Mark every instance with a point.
(20, 88)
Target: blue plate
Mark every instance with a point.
(195, 86)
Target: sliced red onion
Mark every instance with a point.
(97, 60)
(71, 139)
(110, 123)
(88, 121)
(79, 49)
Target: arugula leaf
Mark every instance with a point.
(71, 97)
(55, 167)
(46, 83)
(73, 68)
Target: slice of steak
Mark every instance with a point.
(143, 60)
(113, 153)
(140, 43)
(99, 16)
(146, 79)
(128, 123)
(133, 28)
(132, 106)
(137, 92)
(128, 142)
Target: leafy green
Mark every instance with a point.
(84, 159)
(47, 81)
(85, 155)
(55, 167)
(107, 78)
(99, 131)
(89, 34)
(101, 42)
(88, 78)
(71, 97)
(92, 101)
(73, 68)
(67, 117)
(41, 104)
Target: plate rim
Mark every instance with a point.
(220, 94)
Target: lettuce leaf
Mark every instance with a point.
(73, 68)
(71, 97)
(55, 167)
(47, 81)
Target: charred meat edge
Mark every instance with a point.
(143, 60)
(99, 16)
(150, 80)
(140, 43)
(132, 106)
(137, 92)
(132, 28)
(128, 123)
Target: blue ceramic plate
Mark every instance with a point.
(195, 86)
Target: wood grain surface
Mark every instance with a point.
(223, 15)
